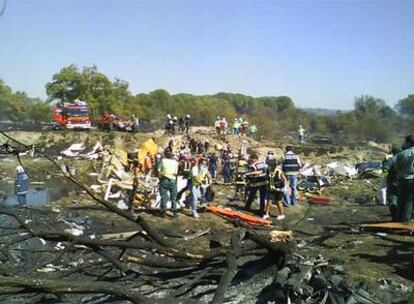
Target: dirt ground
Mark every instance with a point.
(383, 261)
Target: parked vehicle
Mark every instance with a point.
(71, 116)
(111, 122)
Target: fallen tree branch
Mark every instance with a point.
(71, 287)
(231, 262)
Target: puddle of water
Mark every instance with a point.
(37, 195)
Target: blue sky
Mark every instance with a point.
(321, 53)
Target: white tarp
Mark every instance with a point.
(73, 150)
(341, 169)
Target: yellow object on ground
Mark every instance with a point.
(277, 236)
(148, 146)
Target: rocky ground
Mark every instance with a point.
(334, 260)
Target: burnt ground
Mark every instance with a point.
(381, 262)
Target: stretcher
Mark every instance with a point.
(230, 213)
(319, 200)
(389, 226)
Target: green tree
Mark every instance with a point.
(376, 120)
(13, 105)
(67, 85)
(405, 106)
(90, 85)
(40, 112)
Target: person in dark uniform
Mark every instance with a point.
(257, 182)
(276, 182)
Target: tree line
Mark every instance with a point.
(371, 118)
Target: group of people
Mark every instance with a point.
(399, 175)
(187, 161)
(240, 126)
(175, 125)
(194, 161)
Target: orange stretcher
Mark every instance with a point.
(230, 213)
(319, 200)
(389, 226)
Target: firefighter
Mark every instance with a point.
(240, 176)
(233, 164)
(276, 182)
(187, 123)
(185, 167)
(257, 182)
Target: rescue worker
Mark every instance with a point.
(240, 177)
(185, 166)
(244, 128)
(199, 176)
(404, 169)
(276, 182)
(271, 160)
(233, 164)
(301, 132)
(290, 166)
(184, 170)
(226, 169)
(21, 186)
(148, 163)
(236, 127)
(169, 126)
(135, 125)
(171, 146)
(181, 125)
(206, 146)
(168, 171)
(200, 148)
(157, 161)
(391, 182)
(212, 165)
(193, 145)
(253, 131)
(217, 125)
(174, 125)
(244, 147)
(187, 123)
(223, 125)
(257, 182)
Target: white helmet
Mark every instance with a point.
(19, 169)
(188, 116)
(169, 116)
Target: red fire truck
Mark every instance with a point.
(73, 115)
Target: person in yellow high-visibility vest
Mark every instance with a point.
(167, 171)
(199, 176)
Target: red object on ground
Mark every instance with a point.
(227, 212)
(320, 200)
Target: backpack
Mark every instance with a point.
(210, 194)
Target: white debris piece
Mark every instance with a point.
(341, 169)
(74, 231)
(73, 150)
(121, 205)
(51, 268)
(59, 246)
